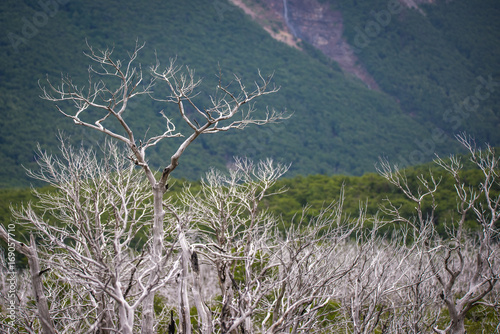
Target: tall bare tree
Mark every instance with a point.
(112, 84)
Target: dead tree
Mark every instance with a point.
(270, 281)
(464, 266)
(314, 257)
(112, 84)
(88, 231)
(31, 253)
(234, 236)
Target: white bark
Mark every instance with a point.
(31, 253)
(124, 81)
(270, 281)
(465, 270)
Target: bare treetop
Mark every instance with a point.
(112, 83)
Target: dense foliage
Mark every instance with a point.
(338, 125)
(440, 60)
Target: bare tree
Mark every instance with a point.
(235, 237)
(88, 233)
(367, 287)
(71, 306)
(31, 253)
(114, 101)
(415, 297)
(314, 256)
(464, 266)
(269, 281)
(112, 84)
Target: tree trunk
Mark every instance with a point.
(201, 307)
(105, 324)
(184, 311)
(126, 314)
(226, 283)
(157, 248)
(458, 325)
(36, 280)
(41, 299)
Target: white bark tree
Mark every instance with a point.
(112, 85)
(269, 282)
(369, 288)
(314, 256)
(235, 237)
(99, 271)
(464, 266)
(88, 233)
(31, 253)
(413, 301)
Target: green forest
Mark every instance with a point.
(338, 126)
(433, 60)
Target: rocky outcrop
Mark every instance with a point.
(323, 28)
(293, 20)
(271, 20)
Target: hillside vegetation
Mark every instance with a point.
(369, 192)
(440, 61)
(338, 126)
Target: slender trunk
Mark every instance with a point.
(147, 315)
(355, 309)
(36, 280)
(228, 313)
(201, 307)
(156, 252)
(248, 325)
(126, 319)
(295, 326)
(41, 299)
(458, 326)
(279, 300)
(184, 312)
(105, 324)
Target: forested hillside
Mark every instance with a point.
(441, 61)
(337, 125)
(315, 192)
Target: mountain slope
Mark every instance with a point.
(440, 60)
(338, 124)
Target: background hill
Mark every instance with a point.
(426, 62)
